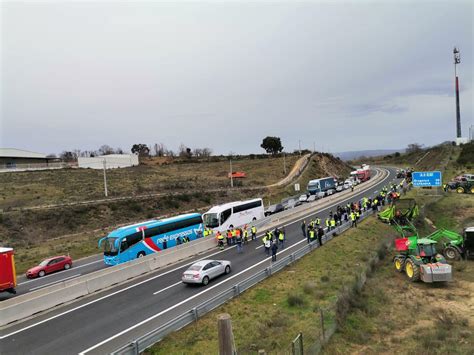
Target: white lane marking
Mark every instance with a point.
(101, 298)
(54, 282)
(167, 288)
(71, 269)
(125, 289)
(179, 304)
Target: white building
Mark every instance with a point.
(111, 161)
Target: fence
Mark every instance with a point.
(140, 344)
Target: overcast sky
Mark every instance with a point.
(346, 76)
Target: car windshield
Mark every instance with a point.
(109, 246)
(211, 220)
(194, 268)
(44, 262)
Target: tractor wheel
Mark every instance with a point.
(398, 262)
(412, 270)
(460, 190)
(451, 254)
(472, 190)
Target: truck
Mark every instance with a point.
(323, 186)
(362, 174)
(7, 270)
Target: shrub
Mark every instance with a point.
(295, 300)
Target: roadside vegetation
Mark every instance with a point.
(271, 314)
(393, 315)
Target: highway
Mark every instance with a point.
(103, 322)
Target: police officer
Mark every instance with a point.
(353, 219)
(320, 236)
(311, 235)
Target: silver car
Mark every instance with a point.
(203, 271)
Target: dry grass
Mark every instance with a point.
(269, 315)
(33, 188)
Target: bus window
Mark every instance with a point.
(225, 215)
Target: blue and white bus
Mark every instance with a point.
(137, 240)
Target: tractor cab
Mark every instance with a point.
(469, 241)
(426, 249)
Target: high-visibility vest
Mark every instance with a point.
(353, 217)
(237, 232)
(311, 234)
(254, 230)
(333, 223)
(318, 221)
(246, 232)
(327, 222)
(220, 237)
(233, 233)
(281, 236)
(357, 214)
(229, 234)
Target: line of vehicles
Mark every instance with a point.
(320, 188)
(138, 240)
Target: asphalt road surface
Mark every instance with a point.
(103, 322)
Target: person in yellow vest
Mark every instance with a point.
(254, 232)
(281, 238)
(246, 235)
(332, 223)
(327, 224)
(311, 235)
(220, 240)
(357, 213)
(318, 221)
(233, 235)
(353, 219)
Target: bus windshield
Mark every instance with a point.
(109, 247)
(211, 220)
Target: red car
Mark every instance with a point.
(50, 265)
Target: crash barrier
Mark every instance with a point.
(140, 344)
(28, 304)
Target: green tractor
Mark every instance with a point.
(420, 261)
(400, 211)
(454, 245)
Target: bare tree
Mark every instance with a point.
(197, 152)
(159, 149)
(119, 151)
(106, 150)
(414, 147)
(206, 152)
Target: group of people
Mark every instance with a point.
(237, 236)
(315, 229)
(273, 240)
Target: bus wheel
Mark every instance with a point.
(141, 254)
(254, 219)
(231, 226)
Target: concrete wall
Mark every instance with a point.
(111, 161)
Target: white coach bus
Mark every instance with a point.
(233, 214)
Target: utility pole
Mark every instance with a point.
(231, 178)
(105, 178)
(457, 60)
(299, 145)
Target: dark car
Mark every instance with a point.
(274, 209)
(50, 265)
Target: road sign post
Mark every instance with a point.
(427, 178)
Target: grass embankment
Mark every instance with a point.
(393, 315)
(271, 314)
(32, 188)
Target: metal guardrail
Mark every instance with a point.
(140, 344)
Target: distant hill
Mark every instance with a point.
(366, 153)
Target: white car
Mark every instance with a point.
(203, 271)
(303, 198)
